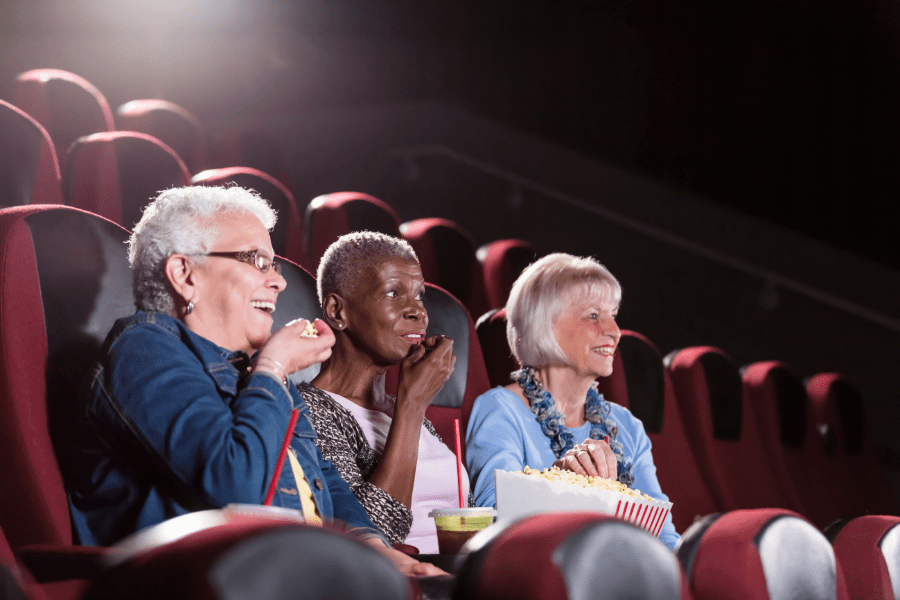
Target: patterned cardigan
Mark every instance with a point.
(343, 442)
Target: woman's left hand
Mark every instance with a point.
(591, 457)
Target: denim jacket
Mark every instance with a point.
(171, 423)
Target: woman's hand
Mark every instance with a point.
(591, 457)
(424, 372)
(405, 563)
(295, 351)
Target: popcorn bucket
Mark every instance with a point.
(519, 495)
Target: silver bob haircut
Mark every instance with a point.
(346, 260)
(541, 294)
(183, 221)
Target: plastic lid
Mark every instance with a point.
(479, 511)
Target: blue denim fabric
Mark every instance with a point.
(171, 423)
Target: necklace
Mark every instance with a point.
(553, 423)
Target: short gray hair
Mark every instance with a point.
(183, 221)
(345, 261)
(542, 292)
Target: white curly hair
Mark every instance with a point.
(183, 221)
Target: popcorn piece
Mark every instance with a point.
(585, 481)
(310, 330)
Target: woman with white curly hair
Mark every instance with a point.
(190, 405)
(561, 327)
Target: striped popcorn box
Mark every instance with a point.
(519, 494)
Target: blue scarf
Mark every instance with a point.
(553, 423)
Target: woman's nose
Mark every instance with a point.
(277, 282)
(611, 328)
(415, 310)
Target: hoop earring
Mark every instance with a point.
(190, 307)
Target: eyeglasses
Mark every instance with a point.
(251, 257)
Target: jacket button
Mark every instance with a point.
(318, 483)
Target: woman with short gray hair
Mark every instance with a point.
(561, 327)
(372, 294)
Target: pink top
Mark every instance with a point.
(435, 485)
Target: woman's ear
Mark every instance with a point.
(335, 310)
(182, 277)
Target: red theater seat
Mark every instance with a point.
(68, 106)
(447, 255)
(330, 216)
(641, 383)
(171, 124)
(568, 556)
(287, 237)
(502, 261)
(29, 170)
(722, 429)
(498, 358)
(761, 554)
(796, 452)
(214, 555)
(868, 550)
(16, 582)
(64, 280)
(251, 149)
(838, 405)
(116, 174)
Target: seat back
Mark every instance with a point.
(502, 261)
(173, 125)
(722, 430)
(29, 170)
(15, 582)
(837, 402)
(265, 557)
(775, 395)
(804, 464)
(568, 556)
(760, 554)
(641, 383)
(254, 149)
(330, 216)
(64, 280)
(447, 255)
(68, 106)
(116, 174)
(868, 550)
(287, 236)
(498, 358)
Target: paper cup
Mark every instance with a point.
(456, 525)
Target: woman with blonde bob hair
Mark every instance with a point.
(561, 327)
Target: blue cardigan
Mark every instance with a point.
(504, 434)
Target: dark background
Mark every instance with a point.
(786, 110)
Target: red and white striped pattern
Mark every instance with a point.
(518, 495)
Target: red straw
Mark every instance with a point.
(281, 456)
(606, 439)
(459, 469)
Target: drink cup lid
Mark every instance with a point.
(480, 511)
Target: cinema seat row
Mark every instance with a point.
(115, 173)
